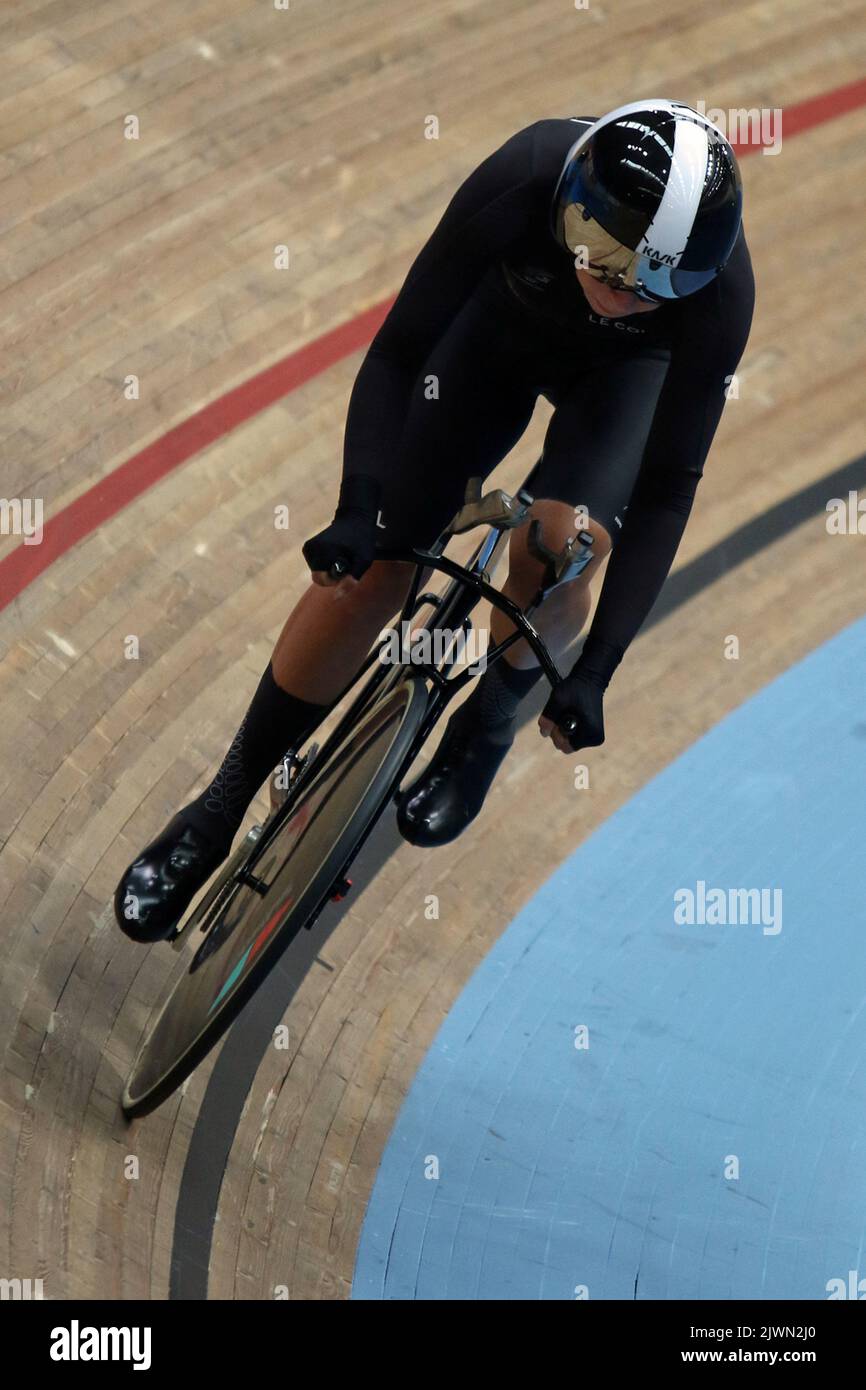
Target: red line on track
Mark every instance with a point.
(109, 496)
(826, 107)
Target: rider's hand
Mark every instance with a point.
(580, 698)
(350, 540)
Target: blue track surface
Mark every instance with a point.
(604, 1167)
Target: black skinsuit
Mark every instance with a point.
(491, 313)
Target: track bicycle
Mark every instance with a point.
(325, 800)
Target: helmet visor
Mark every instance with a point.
(607, 259)
(659, 281)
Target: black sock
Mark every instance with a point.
(274, 720)
(493, 704)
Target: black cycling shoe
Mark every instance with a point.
(448, 794)
(159, 885)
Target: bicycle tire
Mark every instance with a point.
(365, 766)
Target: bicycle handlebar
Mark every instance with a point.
(501, 511)
(427, 560)
(499, 600)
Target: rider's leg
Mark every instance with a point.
(563, 613)
(323, 643)
(321, 647)
(330, 631)
(559, 619)
(592, 455)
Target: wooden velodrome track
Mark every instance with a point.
(154, 258)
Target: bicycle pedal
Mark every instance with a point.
(341, 888)
(250, 880)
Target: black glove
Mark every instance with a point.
(350, 540)
(580, 697)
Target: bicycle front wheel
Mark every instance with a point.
(296, 870)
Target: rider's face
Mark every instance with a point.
(610, 303)
(604, 258)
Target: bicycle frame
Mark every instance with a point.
(450, 611)
(472, 586)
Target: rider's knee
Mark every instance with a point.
(559, 523)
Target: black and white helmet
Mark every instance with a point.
(651, 194)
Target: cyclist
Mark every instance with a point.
(600, 263)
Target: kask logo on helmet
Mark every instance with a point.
(663, 257)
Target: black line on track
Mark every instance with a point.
(243, 1048)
